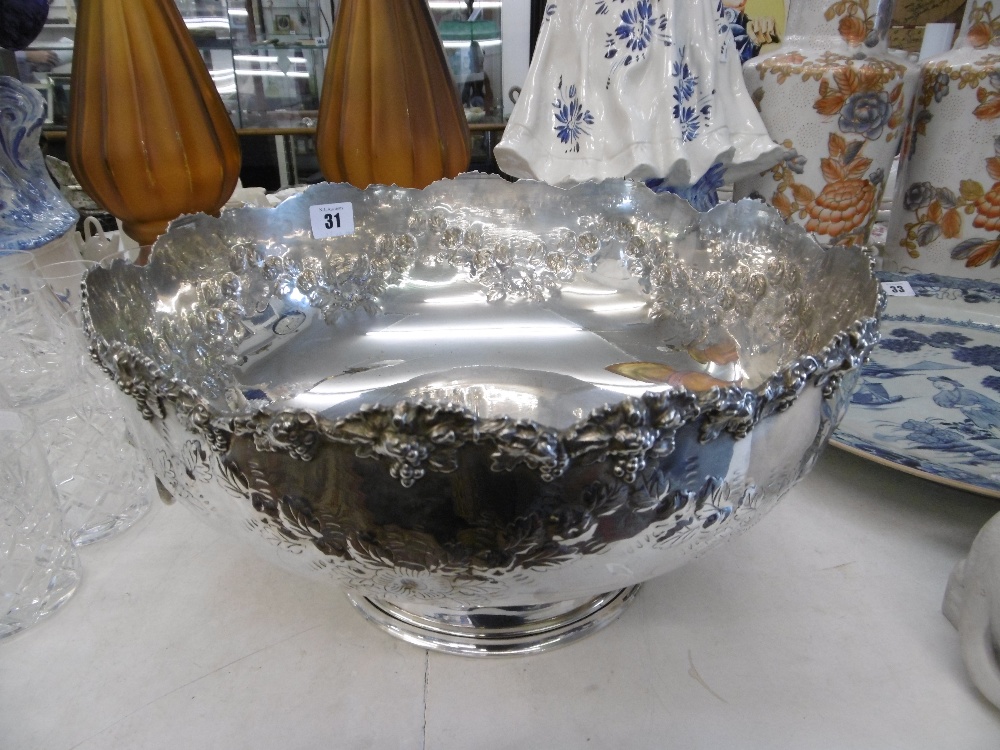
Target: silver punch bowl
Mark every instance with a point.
(487, 410)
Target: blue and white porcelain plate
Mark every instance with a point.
(929, 399)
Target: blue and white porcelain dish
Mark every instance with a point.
(929, 398)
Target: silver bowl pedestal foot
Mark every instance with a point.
(496, 631)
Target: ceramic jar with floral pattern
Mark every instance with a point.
(946, 209)
(835, 97)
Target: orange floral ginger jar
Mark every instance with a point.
(946, 210)
(835, 97)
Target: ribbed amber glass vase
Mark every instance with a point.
(389, 112)
(148, 135)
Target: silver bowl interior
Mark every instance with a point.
(524, 301)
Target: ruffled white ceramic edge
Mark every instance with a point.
(522, 154)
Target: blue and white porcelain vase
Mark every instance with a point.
(649, 90)
(33, 212)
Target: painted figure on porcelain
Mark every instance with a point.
(757, 25)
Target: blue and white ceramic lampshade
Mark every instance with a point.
(32, 210)
(648, 90)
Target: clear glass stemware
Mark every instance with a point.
(39, 570)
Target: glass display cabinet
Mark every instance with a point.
(470, 32)
(486, 43)
(276, 56)
(267, 58)
(46, 64)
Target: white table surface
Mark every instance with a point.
(819, 628)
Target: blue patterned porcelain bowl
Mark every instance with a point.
(488, 410)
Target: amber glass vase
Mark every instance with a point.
(389, 112)
(148, 135)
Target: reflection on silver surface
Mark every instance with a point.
(490, 394)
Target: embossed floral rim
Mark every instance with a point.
(417, 436)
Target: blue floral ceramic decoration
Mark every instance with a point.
(648, 90)
(32, 210)
(929, 398)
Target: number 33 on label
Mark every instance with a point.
(898, 289)
(331, 220)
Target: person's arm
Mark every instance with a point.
(40, 59)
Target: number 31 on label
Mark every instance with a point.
(331, 220)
